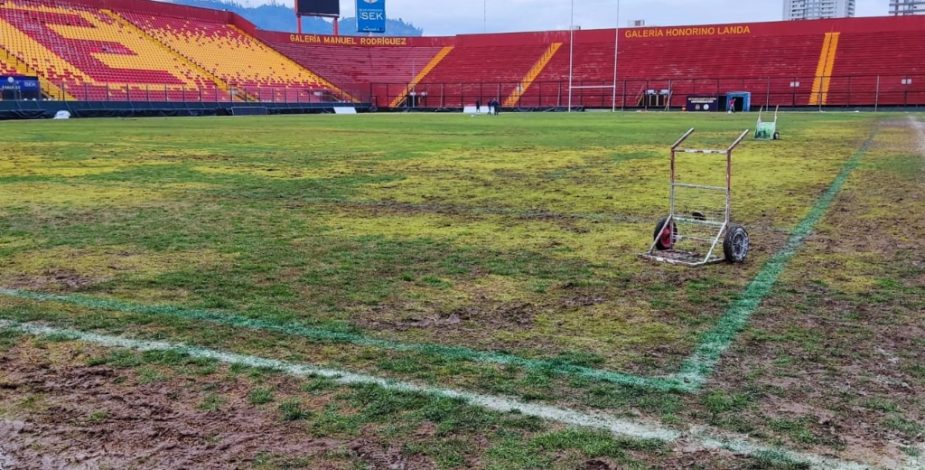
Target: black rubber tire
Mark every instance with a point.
(659, 244)
(736, 244)
(777, 136)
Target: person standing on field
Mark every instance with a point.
(494, 106)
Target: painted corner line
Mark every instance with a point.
(317, 334)
(700, 437)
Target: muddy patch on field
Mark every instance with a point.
(60, 280)
(57, 410)
(67, 268)
(483, 316)
(576, 223)
(76, 416)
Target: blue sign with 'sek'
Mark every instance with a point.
(19, 87)
(371, 16)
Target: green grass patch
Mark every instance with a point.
(260, 396)
(293, 410)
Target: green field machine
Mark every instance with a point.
(767, 130)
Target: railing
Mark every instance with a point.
(178, 94)
(796, 91)
(869, 91)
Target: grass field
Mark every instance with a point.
(496, 257)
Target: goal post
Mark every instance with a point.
(571, 62)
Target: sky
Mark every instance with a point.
(448, 17)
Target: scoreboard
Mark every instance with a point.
(318, 8)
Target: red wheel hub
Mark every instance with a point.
(666, 237)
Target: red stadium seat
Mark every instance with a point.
(146, 50)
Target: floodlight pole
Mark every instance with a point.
(571, 54)
(616, 48)
(484, 16)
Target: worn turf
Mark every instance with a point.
(413, 229)
(494, 255)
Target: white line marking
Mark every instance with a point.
(920, 130)
(700, 437)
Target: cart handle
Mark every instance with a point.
(739, 140)
(682, 139)
(674, 148)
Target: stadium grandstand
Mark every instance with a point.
(129, 51)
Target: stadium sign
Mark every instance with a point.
(691, 31)
(703, 103)
(348, 40)
(19, 87)
(371, 16)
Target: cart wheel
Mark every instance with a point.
(777, 136)
(735, 245)
(663, 236)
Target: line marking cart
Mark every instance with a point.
(692, 238)
(767, 130)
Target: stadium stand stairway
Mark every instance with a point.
(6, 69)
(146, 50)
(823, 78)
(514, 98)
(685, 66)
(10, 65)
(29, 57)
(236, 58)
(471, 72)
(219, 83)
(412, 86)
(93, 56)
(357, 68)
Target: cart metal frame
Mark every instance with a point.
(767, 130)
(712, 255)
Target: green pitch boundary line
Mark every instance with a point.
(695, 370)
(699, 366)
(700, 438)
(324, 335)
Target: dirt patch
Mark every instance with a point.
(98, 417)
(595, 464)
(56, 412)
(5, 460)
(580, 300)
(472, 317)
(564, 221)
(65, 269)
(64, 280)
